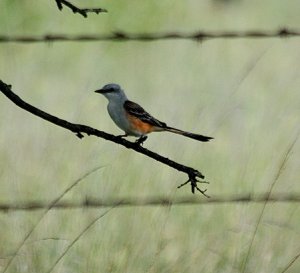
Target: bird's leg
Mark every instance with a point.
(141, 140)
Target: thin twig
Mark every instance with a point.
(291, 263)
(152, 201)
(249, 68)
(75, 9)
(48, 208)
(79, 129)
(161, 238)
(78, 237)
(278, 173)
(47, 239)
(122, 36)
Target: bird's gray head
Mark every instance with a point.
(112, 91)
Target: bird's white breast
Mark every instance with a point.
(118, 115)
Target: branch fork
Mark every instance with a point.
(193, 174)
(75, 9)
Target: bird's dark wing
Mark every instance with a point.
(137, 111)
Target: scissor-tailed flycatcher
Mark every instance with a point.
(133, 119)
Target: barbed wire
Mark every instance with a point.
(121, 36)
(151, 201)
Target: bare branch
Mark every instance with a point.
(149, 37)
(79, 129)
(152, 201)
(75, 9)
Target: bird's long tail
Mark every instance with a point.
(187, 134)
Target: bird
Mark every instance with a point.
(133, 119)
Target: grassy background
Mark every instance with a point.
(245, 93)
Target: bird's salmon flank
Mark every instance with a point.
(139, 126)
(135, 110)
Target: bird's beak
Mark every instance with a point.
(101, 91)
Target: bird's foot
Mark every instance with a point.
(141, 140)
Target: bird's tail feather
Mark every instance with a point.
(187, 134)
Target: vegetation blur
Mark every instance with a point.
(243, 92)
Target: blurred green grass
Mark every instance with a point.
(245, 93)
